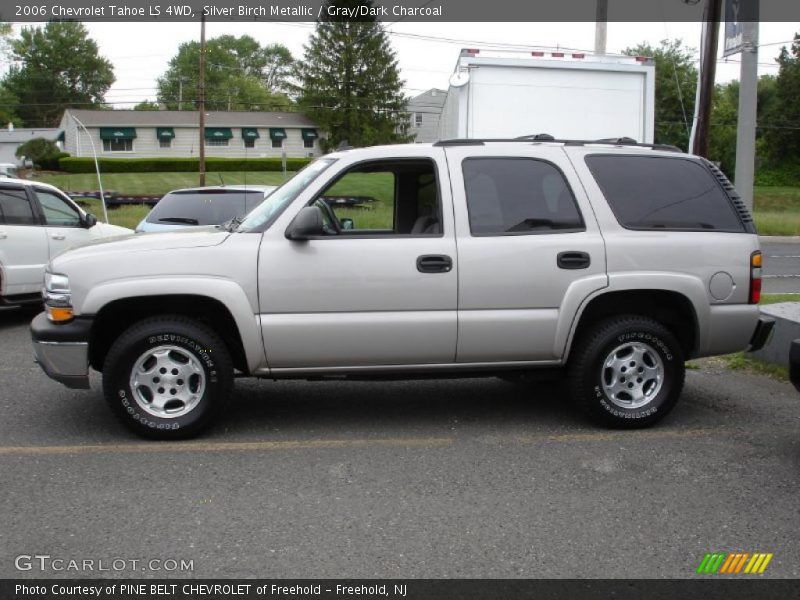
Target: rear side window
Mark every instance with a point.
(15, 209)
(507, 196)
(651, 192)
(212, 207)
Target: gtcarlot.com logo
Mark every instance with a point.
(734, 563)
(46, 562)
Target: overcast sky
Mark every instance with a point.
(140, 51)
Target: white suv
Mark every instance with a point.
(609, 262)
(37, 221)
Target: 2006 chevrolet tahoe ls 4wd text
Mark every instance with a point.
(613, 261)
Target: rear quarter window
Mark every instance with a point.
(663, 193)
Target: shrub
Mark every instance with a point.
(787, 174)
(172, 165)
(52, 163)
(39, 150)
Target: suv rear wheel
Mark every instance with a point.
(627, 372)
(167, 377)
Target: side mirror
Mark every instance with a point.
(89, 221)
(347, 223)
(308, 223)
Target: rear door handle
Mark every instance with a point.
(573, 259)
(58, 236)
(434, 263)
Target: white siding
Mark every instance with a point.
(186, 144)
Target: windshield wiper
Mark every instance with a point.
(185, 220)
(233, 224)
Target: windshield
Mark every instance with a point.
(269, 210)
(204, 207)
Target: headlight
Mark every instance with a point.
(57, 298)
(55, 282)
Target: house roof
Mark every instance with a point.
(433, 96)
(20, 136)
(188, 118)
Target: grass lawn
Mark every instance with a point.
(775, 298)
(143, 184)
(777, 210)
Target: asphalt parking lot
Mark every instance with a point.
(465, 478)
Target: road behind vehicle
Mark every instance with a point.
(610, 262)
(212, 205)
(567, 94)
(37, 222)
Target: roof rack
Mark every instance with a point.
(545, 137)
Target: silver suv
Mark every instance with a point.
(609, 262)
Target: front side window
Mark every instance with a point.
(394, 197)
(57, 211)
(117, 145)
(15, 209)
(507, 196)
(658, 192)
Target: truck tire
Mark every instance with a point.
(168, 377)
(627, 372)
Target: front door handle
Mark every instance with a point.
(573, 259)
(58, 236)
(434, 263)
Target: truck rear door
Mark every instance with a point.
(529, 250)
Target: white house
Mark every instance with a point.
(424, 112)
(175, 133)
(12, 138)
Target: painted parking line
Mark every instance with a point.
(260, 446)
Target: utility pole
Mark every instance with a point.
(708, 68)
(180, 93)
(201, 100)
(748, 101)
(601, 27)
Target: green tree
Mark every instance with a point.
(8, 108)
(240, 75)
(676, 82)
(59, 67)
(147, 105)
(783, 133)
(349, 82)
(38, 150)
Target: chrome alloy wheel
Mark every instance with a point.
(167, 381)
(633, 374)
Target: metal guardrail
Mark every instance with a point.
(116, 199)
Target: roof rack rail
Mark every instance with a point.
(544, 137)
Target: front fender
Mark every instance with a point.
(225, 291)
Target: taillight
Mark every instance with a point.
(755, 277)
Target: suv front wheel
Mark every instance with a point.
(627, 372)
(167, 377)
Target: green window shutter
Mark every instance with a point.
(165, 133)
(117, 133)
(250, 133)
(277, 133)
(309, 134)
(218, 133)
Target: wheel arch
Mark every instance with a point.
(118, 315)
(673, 309)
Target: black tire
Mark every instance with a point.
(209, 386)
(589, 380)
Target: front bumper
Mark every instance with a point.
(62, 350)
(794, 364)
(761, 334)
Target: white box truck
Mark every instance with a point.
(568, 95)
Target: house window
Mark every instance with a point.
(308, 143)
(277, 143)
(217, 142)
(249, 143)
(418, 119)
(165, 143)
(117, 145)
